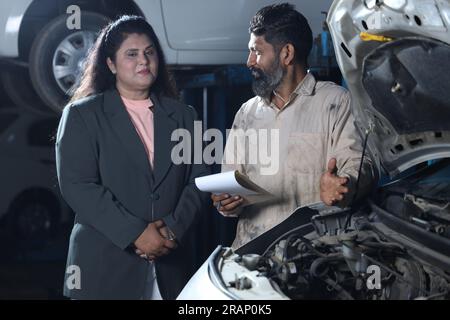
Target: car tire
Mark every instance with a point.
(56, 56)
(17, 85)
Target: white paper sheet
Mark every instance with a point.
(224, 182)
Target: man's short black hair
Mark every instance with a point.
(281, 24)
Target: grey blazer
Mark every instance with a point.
(105, 177)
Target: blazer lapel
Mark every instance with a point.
(125, 130)
(164, 126)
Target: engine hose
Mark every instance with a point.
(317, 263)
(311, 247)
(297, 229)
(285, 249)
(384, 245)
(338, 288)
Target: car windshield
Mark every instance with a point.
(432, 182)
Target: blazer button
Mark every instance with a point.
(154, 196)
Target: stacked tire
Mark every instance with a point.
(55, 64)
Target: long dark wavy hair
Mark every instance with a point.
(97, 77)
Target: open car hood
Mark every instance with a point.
(398, 75)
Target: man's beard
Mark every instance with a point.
(264, 83)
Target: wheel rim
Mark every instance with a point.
(69, 57)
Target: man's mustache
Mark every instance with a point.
(256, 73)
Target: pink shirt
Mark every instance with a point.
(141, 114)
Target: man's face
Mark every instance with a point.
(264, 63)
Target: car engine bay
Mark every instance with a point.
(396, 247)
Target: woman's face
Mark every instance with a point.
(136, 64)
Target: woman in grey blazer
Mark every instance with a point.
(134, 207)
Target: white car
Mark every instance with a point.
(36, 38)
(30, 201)
(395, 58)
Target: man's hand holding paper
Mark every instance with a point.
(226, 204)
(231, 191)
